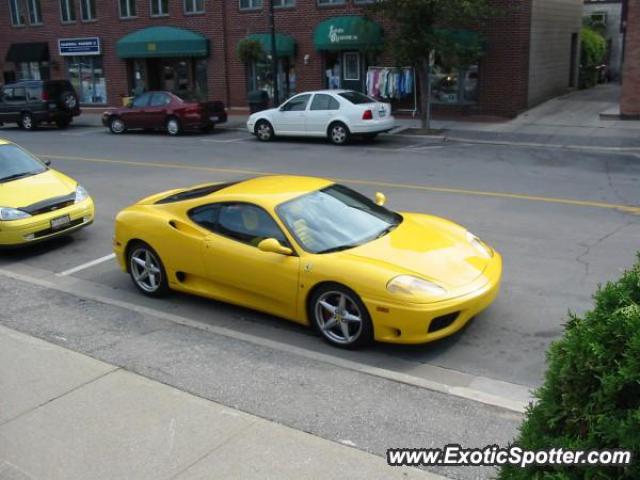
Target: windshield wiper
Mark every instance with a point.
(15, 176)
(339, 248)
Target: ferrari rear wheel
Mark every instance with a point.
(341, 317)
(146, 270)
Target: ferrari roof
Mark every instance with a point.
(271, 190)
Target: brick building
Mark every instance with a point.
(630, 98)
(111, 48)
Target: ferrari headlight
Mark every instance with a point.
(482, 248)
(81, 194)
(8, 214)
(415, 286)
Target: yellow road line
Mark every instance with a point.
(458, 191)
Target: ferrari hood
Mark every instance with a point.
(427, 246)
(29, 190)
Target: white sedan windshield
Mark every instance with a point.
(335, 218)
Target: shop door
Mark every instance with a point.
(352, 71)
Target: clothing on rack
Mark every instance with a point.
(386, 82)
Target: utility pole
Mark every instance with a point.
(274, 56)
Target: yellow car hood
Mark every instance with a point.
(29, 190)
(430, 247)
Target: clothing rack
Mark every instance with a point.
(414, 110)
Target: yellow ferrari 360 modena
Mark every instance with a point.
(314, 252)
(37, 202)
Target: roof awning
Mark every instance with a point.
(28, 52)
(285, 44)
(155, 42)
(348, 32)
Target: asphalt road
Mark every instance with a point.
(551, 213)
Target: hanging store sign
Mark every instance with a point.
(79, 46)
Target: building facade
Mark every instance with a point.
(630, 96)
(112, 49)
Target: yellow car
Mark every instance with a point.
(37, 202)
(313, 252)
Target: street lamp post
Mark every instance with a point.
(274, 57)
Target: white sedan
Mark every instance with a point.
(336, 114)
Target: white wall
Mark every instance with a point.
(552, 23)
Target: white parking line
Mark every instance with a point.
(84, 266)
(233, 140)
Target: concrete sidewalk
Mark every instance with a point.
(64, 415)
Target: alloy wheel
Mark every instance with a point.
(264, 131)
(117, 125)
(339, 134)
(27, 121)
(338, 317)
(173, 127)
(146, 270)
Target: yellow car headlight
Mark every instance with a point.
(7, 214)
(483, 249)
(81, 194)
(415, 287)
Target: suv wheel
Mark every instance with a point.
(27, 122)
(69, 100)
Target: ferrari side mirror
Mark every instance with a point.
(380, 199)
(271, 245)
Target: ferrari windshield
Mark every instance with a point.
(16, 163)
(335, 218)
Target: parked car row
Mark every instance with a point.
(302, 248)
(337, 115)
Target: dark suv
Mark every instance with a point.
(31, 102)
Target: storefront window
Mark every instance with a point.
(201, 78)
(261, 77)
(159, 8)
(87, 77)
(32, 71)
(454, 85)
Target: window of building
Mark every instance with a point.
(87, 10)
(159, 8)
(87, 76)
(331, 2)
(68, 11)
(32, 71)
(284, 3)
(364, 1)
(452, 85)
(250, 4)
(352, 66)
(15, 9)
(128, 9)
(35, 12)
(260, 77)
(194, 6)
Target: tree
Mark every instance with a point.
(249, 50)
(593, 50)
(590, 398)
(424, 26)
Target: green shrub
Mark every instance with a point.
(592, 54)
(590, 398)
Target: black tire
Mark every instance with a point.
(117, 125)
(62, 122)
(339, 133)
(358, 333)
(154, 268)
(172, 125)
(27, 122)
(264, 131)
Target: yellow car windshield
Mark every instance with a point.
(16, 163)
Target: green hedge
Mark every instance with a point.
(590, 398)
(592, 54)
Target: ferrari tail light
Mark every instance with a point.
(367, 115)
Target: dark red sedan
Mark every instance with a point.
(165, 111)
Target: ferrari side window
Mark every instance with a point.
(206, 216)
(248, 224)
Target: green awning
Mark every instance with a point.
(285, 44)
(154, 42)
(348, 32)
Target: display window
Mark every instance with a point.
(454, 85)
(87, 77)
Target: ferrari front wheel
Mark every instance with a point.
(340, 317)
(147, 271)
